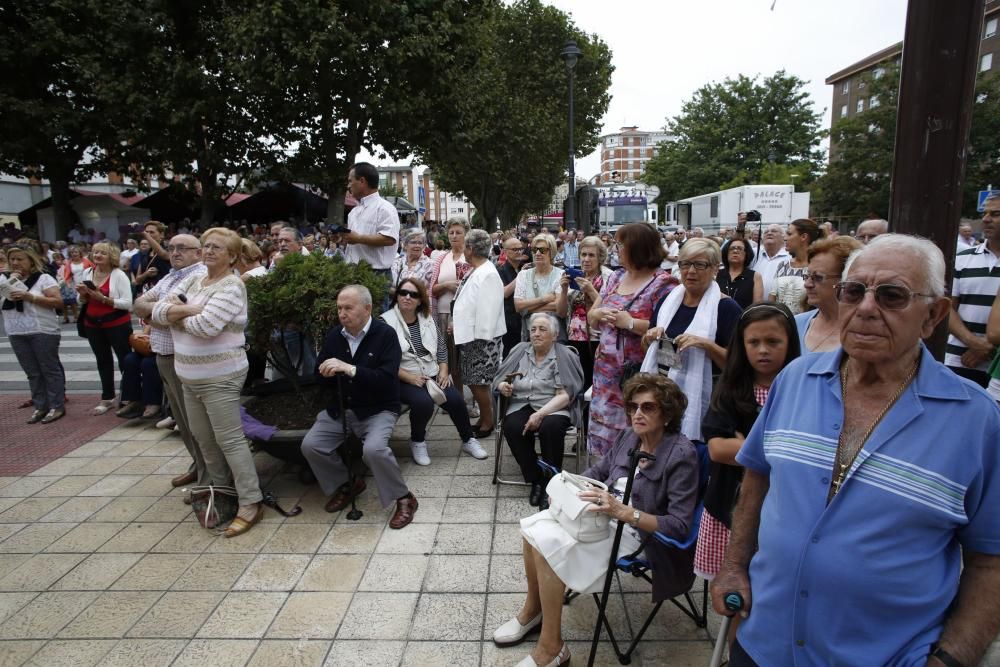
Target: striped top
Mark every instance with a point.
(975, 286)
(418, 343)
(210, 346)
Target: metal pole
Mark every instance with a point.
(571, 198)
(936, 94)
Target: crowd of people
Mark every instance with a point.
(845, 460)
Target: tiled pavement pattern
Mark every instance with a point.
(102, 564)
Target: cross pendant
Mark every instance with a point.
(840, 479)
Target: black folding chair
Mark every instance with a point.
(636, 565)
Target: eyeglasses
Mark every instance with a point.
(647, 407)
(180, 248)
(410, 293)
(888, 296)
(543, 249)
(517, 248)
(814, 276)
(697, 266)
(737, 248)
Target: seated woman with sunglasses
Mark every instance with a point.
(536, 288)
(664, 496)
(425, 360)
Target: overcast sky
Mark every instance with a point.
(664, 50)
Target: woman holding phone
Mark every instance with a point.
(577, 293)
(107, 320)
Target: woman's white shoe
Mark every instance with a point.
(419, 452)
(562, 658)
(512, 632)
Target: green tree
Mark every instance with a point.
(196, 115)
(731, 133)
(982, 167)
(497, 130)
(857, 180)
(345, 75)
(59, 97)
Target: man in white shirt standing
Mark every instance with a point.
(771, 254)
(374, 224)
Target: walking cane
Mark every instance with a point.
(635, 455)
(351, 442)
(502, 409)
(733, 602)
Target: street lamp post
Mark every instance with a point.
(570, 55)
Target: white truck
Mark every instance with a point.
(714, 211)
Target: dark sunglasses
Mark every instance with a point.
(410, 293)
(541, 248)
(888, 296)
(647, 407)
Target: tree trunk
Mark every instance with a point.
(63, 214)
(337, 170)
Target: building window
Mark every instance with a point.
(991, 28)
(846, 88)
(986, 62)
(861, 106)
(877, 74)
(843, 111)
(635, 152)
(873, 101)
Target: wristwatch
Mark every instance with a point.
(636, 514)
(631, 323)
(945, 657)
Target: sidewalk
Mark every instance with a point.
(101, 563)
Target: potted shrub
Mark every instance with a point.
(300, 295)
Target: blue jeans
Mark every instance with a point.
(141, 380)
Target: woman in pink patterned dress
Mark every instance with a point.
(621, 314)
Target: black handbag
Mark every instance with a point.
(81, 328)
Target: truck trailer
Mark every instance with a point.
(778, 204)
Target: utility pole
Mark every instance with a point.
(936, 94)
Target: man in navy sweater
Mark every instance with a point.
(367, 353)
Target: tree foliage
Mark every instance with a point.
(856, 183)
(496, 131)
(347, 75)
(858, 179)
(59, 94)
(729, 133)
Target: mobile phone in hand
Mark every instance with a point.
(89, 284)
(183, 298)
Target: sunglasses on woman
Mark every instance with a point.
(413, 294)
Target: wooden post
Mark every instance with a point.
(936, 94)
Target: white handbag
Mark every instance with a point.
(571, 512)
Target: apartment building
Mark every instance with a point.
(624, 154)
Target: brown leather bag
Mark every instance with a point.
(140, 343)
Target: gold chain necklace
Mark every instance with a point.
(845, 465)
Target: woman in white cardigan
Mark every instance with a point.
(108, 319)
(425, 363)
(478, 325)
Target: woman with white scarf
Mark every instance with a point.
(699, 320)
(424, 375)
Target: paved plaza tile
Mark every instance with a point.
(102, 564)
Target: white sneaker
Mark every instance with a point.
(474, 449)
(166, 422)
(419, 452)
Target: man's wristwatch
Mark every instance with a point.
(636, 515)
(946, 658)
(352, 371)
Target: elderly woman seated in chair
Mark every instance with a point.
(541, 378)
(664, 497)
